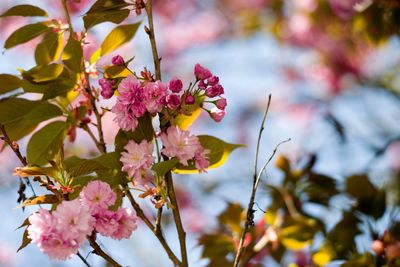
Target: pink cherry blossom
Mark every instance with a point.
(43, 232)
(124, 117)
(127, 223)
(214, 80)
(180, 144)
(201, 159)
(73, 220)
(155, 93)
(201, 72)
(138, 158)
(107, 222)
(97, 195)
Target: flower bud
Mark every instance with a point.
(117, 60)
(173, 101)
(175, 85)
(221, 103)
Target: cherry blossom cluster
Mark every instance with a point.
(60, 233)
(139, 95)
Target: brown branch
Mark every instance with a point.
(87, 129)
(177, 217)
(100, 252)
(157, 233)
(152, 37)
(168, 176)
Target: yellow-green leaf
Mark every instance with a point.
(49, 49)
(117, 37)
(25, 240)
(116, 72)
(324, 255)
(25, 11)
(219, 153)
(106, 10)
(161, 168)
(46, 143)
(72, 55)
(184, 121)
(44, 199)
(9, 83)
(25, 34)
(48, 73)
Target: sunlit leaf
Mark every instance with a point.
(44, 199)
(25, 11)
(49, 49)
(324, 255)
(232, 217)
(25, 34)
(219, 153)
(9, 83)
(106, 11)
(117, 37)
(190, 113)
(48, 73)
(46, 143)
(72, 55)
(25, 240)
(113, 72)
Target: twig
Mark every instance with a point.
(253, 193)
(158, 234)
(256, 180)
(152, 37)
(99, 251)
(158, 220)
(87, 129)
(14, 146)
(83, 259)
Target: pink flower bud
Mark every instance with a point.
(173, 101)
(106, 88)
(175, 85)
(221, 103)
(117, 60)
(201, 73)
(202, 85)
(189, 100)
(214, 91)
(217, 115)
(214, 80)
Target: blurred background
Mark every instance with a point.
(332, 67)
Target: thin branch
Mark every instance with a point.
(99, 251)
(256, 180)
(253, 193)
(87, 129)
(168, 176)
(152, 37)
(177, 217)
(158, 220)
(158, 234)
(83, 259)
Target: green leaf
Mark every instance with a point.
(106, 11)
(25, 34)
(72, 55)
(85, 167)
(216, 246)
(359, 187)
(25, 11)
(112, 72)
(9, 83)
(46, 143)
(365, 260)
(219, 153)
(12, 112)
(161, 168)
(36, 171)
(38, 200)
(49, 49)
(117, 37)
(48, 73)
(25, 240)
(111, 160)
(296, 234)
(144, 131)
(324, 255)
(41, 113)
